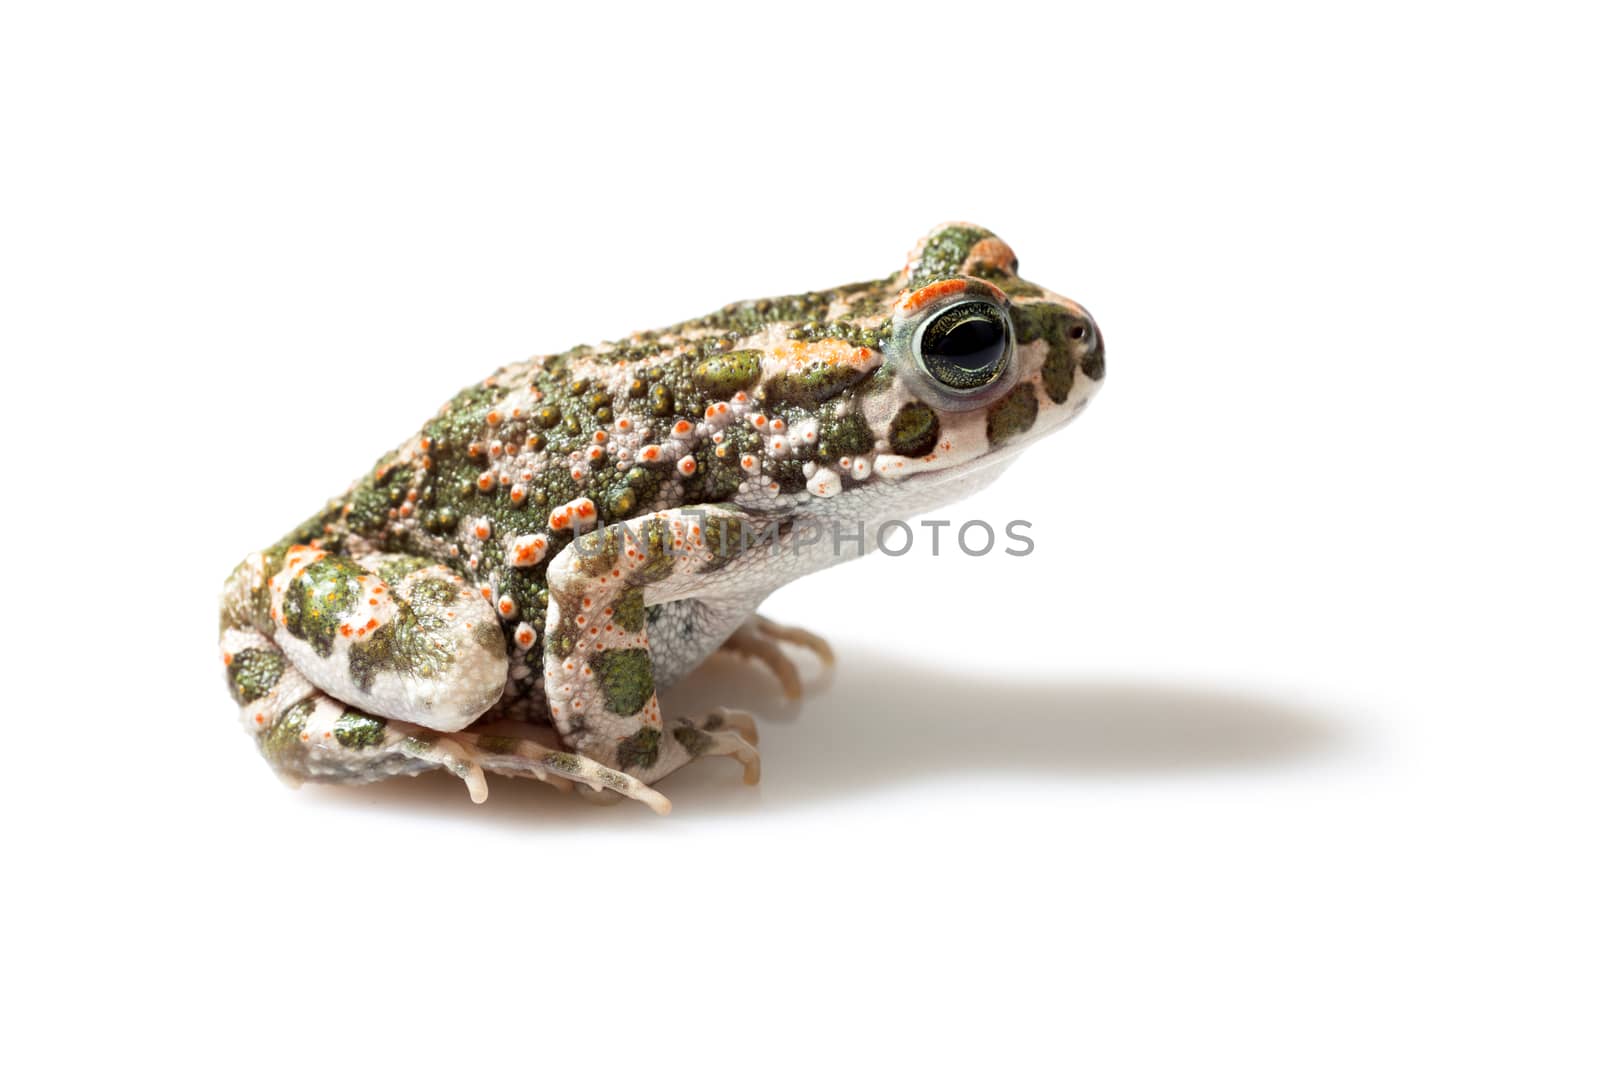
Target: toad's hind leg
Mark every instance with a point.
(599, 675)
(382, 681)
(306, 735)
(397, 636)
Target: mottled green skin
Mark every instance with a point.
(640, 750)
(280, 744)
(724, 374)
(357, 730)
(630, 613)
(1053, 325)
(625, 679)
(318, 596)
(1013, 415)
(914, 430)
(253, 672)
(411, 641)
(847, 435)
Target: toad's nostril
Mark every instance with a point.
(1078, 332)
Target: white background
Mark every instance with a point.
(1281, 748)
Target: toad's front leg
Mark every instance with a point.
(599, 676)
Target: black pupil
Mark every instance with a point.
(971, 345)
(965, 348)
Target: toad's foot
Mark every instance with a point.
(761, 638)
(723, 732)
(471, 756)
(521, 758)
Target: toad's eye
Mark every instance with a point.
(966, 346)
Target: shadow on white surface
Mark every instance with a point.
(883, 723)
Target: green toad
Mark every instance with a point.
(575, 531)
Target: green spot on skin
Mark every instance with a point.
(317, 600)
(1058, 373)
(621, 503)
(420, 640)
(944, 252)
(639, 750)
(565, 762)
(628, 612)
(625, 679)
(356, 730)
(914, 430)
(659, 562)
(281, 743)
(724, 536)
(726, 373)
(431, 592)
(817, 381)
(1013, 415)
(846, 436)
(253, 672)
(489, 637)
(695, 741)
(498, 746)
(402, 645)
